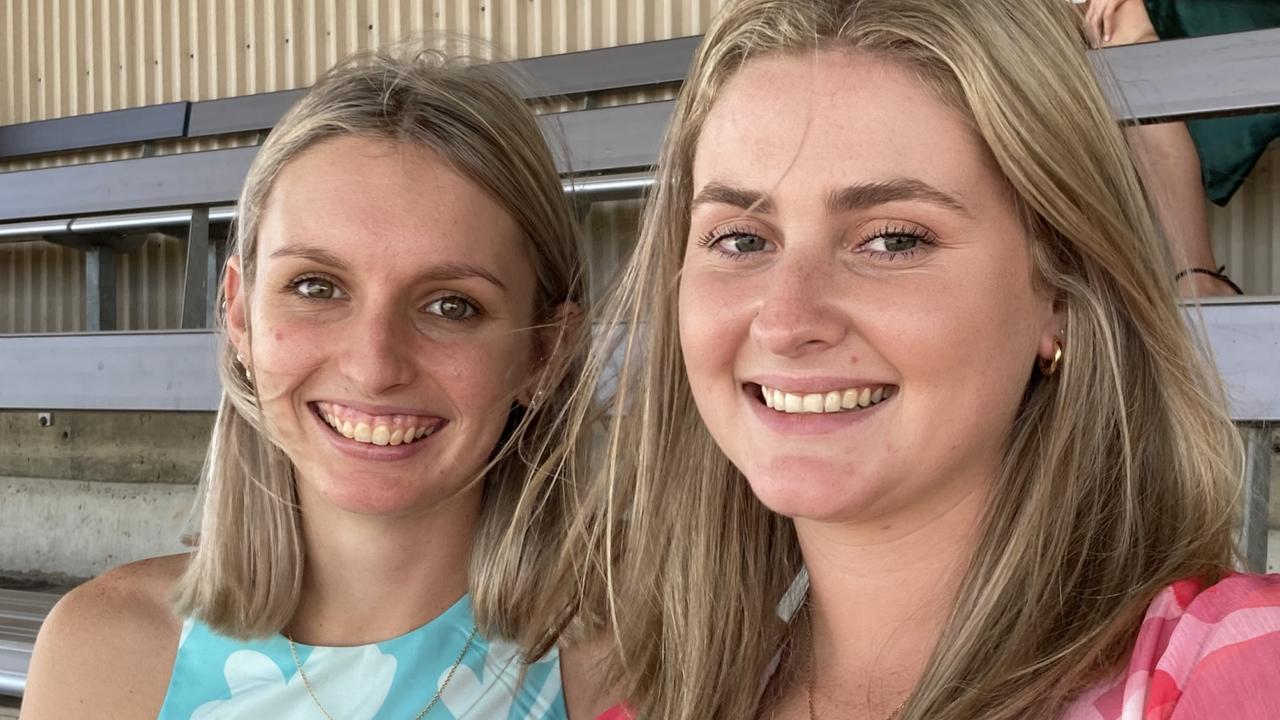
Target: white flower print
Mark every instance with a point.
(352, 683)
(492, 696)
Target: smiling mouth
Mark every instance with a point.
(379, 430)
(833, 401)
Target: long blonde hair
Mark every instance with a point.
(1120, 472)
(246, 572)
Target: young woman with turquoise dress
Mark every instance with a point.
(402, 287)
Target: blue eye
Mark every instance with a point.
(453, 307)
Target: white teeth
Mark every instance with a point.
(395, 432)
(364, 433)
(832, 402)
(849, 399)
(828, 402)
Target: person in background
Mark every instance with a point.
(402, 288)
(1180, 162)
(908, 424)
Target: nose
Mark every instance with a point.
(796, 317)
(377, 357)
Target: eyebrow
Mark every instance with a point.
(853, 197)
(722, 194)
(444, 271)
(865, 195)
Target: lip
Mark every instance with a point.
(813, 383)
(368, 451)
(799, 424)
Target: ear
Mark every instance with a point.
(234, 291)
(551, 340)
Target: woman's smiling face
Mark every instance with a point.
(857, 312)
(390, 323)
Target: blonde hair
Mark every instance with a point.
(1120, 472)
(246, 572)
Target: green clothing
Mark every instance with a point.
(1229, 147)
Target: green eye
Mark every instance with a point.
(315, 288)
(745, 243)
(453, 307)
(900, 243)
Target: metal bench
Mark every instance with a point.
(21, 614)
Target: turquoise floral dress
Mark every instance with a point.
(218, 677)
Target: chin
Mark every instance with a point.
(813, 489)
(371, 496)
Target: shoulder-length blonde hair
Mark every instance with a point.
(246, 573)
(1120, 472)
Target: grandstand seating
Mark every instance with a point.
(611, 147)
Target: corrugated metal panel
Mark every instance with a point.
(69, 57)
(609, 234)
(1246, 233)
(42, 286)
(149, 285)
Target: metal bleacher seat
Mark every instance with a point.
(21, 613)
(612, 149)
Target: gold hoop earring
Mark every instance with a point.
(248, 374)
(1048, 368)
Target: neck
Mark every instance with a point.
(879, 596)
(371, 578)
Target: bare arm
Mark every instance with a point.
(106, 650)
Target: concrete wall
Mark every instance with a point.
(123, 447)
(68, 530)
(93, 490)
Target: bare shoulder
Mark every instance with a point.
(107, 647)
(583, 670)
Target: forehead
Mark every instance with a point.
(390, 204)
(832, 118)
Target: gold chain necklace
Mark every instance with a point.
(813, 676)
(293, 650)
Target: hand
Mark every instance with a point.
(1118, 22)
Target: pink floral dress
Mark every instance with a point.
(1203, 653)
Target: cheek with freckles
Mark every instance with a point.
(285, 354)
(714, 324)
